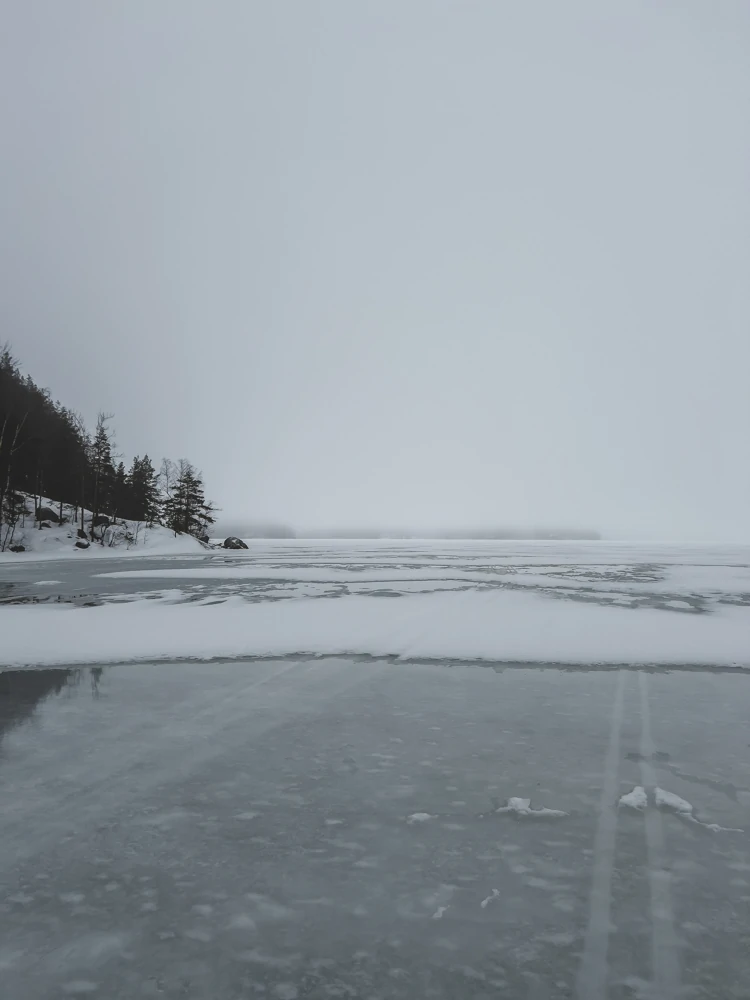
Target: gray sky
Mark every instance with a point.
(398, 262)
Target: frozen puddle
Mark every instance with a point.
(638, 799)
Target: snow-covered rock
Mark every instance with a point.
(234, 543)
(47, 514)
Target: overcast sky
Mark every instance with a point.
(404, 262)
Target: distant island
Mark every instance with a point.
(261, 529)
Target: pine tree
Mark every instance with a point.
(186, 510)
(144, 490)
(102, 469)
(120, 502)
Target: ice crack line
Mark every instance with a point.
(592, 974)
(665, 957)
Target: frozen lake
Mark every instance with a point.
(431, 822)
(533, 602)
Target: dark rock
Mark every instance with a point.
(47, 514)
(234, 543)
(18, 548)
(204, 539)
(100, 521)
(82, 533)
(82, 543)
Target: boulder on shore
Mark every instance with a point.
(234, 543)
(47, 514)
(82, 534)
(82, 543)
(100, 521)
(18, 548)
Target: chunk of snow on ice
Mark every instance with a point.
(683, 808)
(438, 914)
(637, 799)
(486, 902)
(668, 800)
(46, 583)
(72, 897)
(523, 807)
(419, 818)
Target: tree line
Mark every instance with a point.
(47, 451)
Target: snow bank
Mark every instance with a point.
(59, 543)
(468, 625)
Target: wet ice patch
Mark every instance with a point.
(285, 991)
(267, 909)
(72, 897)
(242, 922)
(523, 808)
(80, 987)
(199, 934)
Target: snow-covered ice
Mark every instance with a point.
(550, 602)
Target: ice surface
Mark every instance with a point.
(593, 603)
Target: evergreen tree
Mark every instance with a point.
(144, 491)
(120, 503)
(186, 510)
(102, 469)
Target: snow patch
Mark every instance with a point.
(523, 807)
(419, 818)
(497, 625)
(637, 799)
